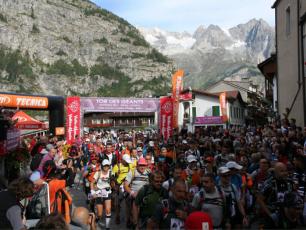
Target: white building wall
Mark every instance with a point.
(204, 105)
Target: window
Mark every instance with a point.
(216, 110)
(288, 21)
(194, 111)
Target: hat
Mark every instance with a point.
(233, 165)
(139, 142)
(139, 149)
(223, 170)
(142, 161)
(87, 139)
(163, 149)
(216, 140)
(105, 162)
(198, 221)
(151, 143)
(127, 158)
(191, 158)
(184, 142)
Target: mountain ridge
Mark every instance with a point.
(73, 47)
(216, 53)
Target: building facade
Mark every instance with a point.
(203, 109)
(290, 26)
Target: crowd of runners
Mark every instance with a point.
(214, 178)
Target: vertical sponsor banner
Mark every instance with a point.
(177, 85)
(73, 109)
(166, 117)
(222, 99)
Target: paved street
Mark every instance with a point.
(79, 200)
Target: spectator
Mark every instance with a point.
(11, 211)
(53, 221)
(83, 219)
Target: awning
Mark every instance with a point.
(24, 121)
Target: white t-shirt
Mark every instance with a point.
(103, 180)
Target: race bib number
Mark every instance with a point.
(176, 224)
(104, 193)
(205, 226)
(194, 189)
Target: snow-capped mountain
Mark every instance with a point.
(213, 53)
(168, 43)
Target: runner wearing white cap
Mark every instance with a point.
(101, 190)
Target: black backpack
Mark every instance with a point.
(35, 162)
(39, 205)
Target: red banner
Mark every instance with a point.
(166, 117)
(73, 118)
(222, 99)
(177, 85)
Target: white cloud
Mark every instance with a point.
(180, 15)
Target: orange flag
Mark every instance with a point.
(177, 85)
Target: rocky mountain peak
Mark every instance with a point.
(51, 43)
(212, 37)
(217, 53)
(199, 32)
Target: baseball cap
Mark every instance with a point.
(191, 158)
(233, 165)
(151, 143)
(139, 149)
(87, 139)
(105, 162)
(197, 220)
(184, 142)
(142, 161)
(127, 158)
(223, 170)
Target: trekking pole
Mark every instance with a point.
(48, 198)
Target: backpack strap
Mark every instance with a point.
(170, 184)
(224, 209)
(202, 197)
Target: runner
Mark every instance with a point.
(101, 190)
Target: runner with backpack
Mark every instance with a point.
(148, 196)
(134, 180)
(88, 176)
(171, 213)
(101, 191)
(211, 199)
(120, 171)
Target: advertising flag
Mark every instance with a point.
(166, 117)
(222, 99)
(177, 86)
(73, 118)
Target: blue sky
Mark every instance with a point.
(187, 15)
